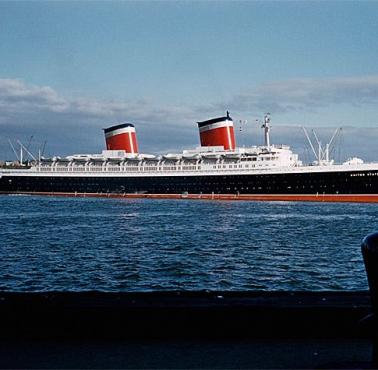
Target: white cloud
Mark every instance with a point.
(16, 96)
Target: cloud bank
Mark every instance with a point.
(307, 94)
(72, 124)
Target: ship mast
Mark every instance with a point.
(322, 155)
(266, 127)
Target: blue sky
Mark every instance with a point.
(67, 69)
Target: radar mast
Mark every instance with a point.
(266, 127)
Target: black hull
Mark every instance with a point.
(357, 182)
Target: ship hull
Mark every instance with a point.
(341, 186)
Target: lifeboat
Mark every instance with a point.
(172, 157)
(191, 156)
(212, 155)
(232, 155)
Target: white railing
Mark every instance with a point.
(202, 169)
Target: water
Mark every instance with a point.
(80, 244)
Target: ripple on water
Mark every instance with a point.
(142, 245)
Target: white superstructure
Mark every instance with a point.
(203, 160)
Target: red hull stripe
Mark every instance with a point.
(353, 198)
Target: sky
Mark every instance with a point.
(69, 69)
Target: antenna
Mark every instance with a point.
(29, 142)
(330, 144)
(43, 147)
(320, 151)
(337, 143)
(14, 150)
(310, 142)
(26, 150)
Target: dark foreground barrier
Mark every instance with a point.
(185, 330)
(158, 315)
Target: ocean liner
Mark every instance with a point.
(218, 169)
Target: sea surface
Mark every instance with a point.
(80, 244)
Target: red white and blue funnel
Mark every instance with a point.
(121, 137)
(218, 132)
